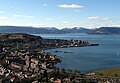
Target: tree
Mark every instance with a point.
(116, 75)
(46, 75)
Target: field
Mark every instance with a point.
(111, 72)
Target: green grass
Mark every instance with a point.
(111, 72)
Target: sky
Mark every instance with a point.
(60, 13)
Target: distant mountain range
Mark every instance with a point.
(76, 30)
(21, 29)
(53, 30)
(106, 30)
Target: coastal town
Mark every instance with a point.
(23, 60)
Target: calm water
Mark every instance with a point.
(86, 59)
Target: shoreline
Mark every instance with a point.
(107, 72)
(84, 72)
(97, 44)
(36, 64)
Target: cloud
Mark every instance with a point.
(115, 25)
(49, 19)
(70, 6)
(2, 12)
(118, 18)
(77, 10)
(29, 17)
(18, 15)
(65, 22)
(3, 18)
(45, 5)
(23, 16)
(98, 18)
(10, 23)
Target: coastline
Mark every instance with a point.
(34, 59)
(97, 44)
(107, 72)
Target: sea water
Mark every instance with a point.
(90, 58)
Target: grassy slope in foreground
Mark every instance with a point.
(110, 72)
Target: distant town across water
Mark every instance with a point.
(87, 59)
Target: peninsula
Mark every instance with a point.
(23, 60)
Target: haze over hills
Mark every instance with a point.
(76, 30)
(107, 30)
(21, 29)
(53, 30)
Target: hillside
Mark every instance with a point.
(110, 72)
(107, 30)
(18, 36)
(21, 29)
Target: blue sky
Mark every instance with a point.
(60, 13)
